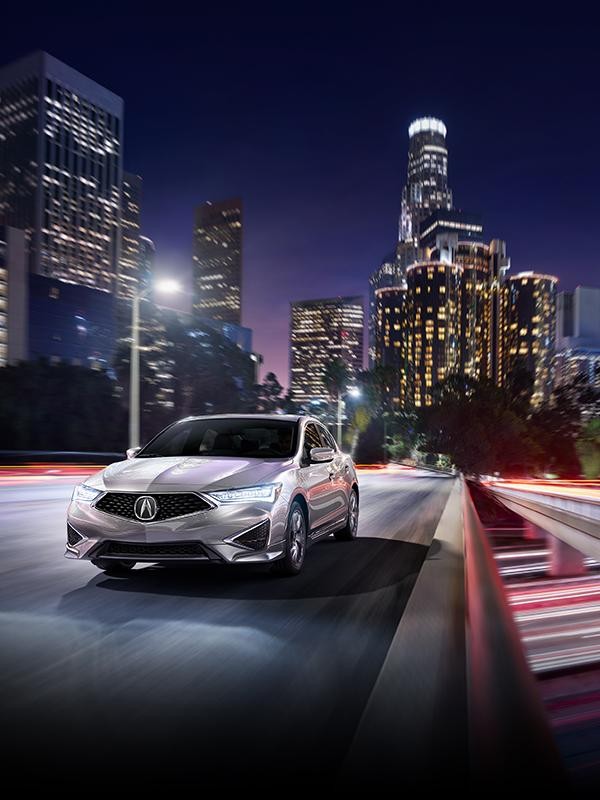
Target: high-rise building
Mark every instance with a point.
(389, 274)
(218, 260)
(530, 329)
(130, 262)
(476, 360)
(445, 223)
(391, 340)
(434, 326)
(13, 296)
(321, 331)
(426, 188)
(499, 266)
(60, 169)
(147, 259)
(578, 336)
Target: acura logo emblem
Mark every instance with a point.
(145, 508)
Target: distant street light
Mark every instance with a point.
(353, 391)
(164, 286)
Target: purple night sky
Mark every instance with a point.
(305, 116)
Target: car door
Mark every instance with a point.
(316, 480)
(338, 476)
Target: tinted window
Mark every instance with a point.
(311, 439)
(225, 438)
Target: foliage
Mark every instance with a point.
(59, 407)
(335, 377)
(588, 448)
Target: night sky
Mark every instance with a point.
(305, 115)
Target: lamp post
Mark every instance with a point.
(163, 287)
(353, 391)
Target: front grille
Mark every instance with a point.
(256, 538)
(169, 506)
(72, 536)
(143, 550)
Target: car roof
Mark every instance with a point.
(285, 417)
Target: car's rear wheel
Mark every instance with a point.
(295, 543)
(113, 566)
(350, 529)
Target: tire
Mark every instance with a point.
(112, 566)
(295, 543)
(350, 529)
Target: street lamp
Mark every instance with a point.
(164, 286)
(353, 391)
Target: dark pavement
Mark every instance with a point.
(200, 671)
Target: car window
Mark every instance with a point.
(328, 439)
(311, 439)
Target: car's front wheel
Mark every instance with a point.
(112, 566)
(350, 529)
(295, 543)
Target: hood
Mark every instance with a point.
(186, 473)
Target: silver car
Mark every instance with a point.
(233, 489)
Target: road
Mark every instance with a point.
(214, 671)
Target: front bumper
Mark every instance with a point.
(91, 534)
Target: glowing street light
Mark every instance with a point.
(164, 286)
(353, 391)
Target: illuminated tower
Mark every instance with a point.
(476, 360)
(426, 188)
(391, 340)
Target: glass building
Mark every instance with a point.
(426, 188)
(391, 341)
(434, 326)
(61, 169)
(321, 331)
(130, 261)
(476, 360)
(13, 296)
(217, 257)
(530, 329)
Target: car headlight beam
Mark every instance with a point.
(84, 493)
(266, 493)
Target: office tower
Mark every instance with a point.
(445, 223)
(60, 169)
(391, 339)
(578, 336)
(130, 262)
(218, 260)
(530, 329)
(434, 303)
(499, 264)
(321, 331)
(13, 296)
(476, 361)
(426, 188)
(389, 274)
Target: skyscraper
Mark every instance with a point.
(60, 169)
(13, 296)
(426, 186)
(389, 274)
(217, 260)
(499, 265)
(434, 326)
(476, 360)
(530, 329)
(321, 331)
(578, 336)
(391, 340)
(130, 262)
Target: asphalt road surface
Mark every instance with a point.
(206, 671)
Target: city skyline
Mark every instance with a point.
(323, 202)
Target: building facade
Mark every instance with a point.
(426, 188)
(13, 296)
(217, 260)
(61, 169)
(130, 261)
(476, 356)
(391, 339)
(529, 340)
(321, 331)
(434, 326)
(578, 336)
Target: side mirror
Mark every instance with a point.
(319, 455)
(132, 452)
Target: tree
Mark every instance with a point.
(588, 448)
(335, 378)
(269, 394)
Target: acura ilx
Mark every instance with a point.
(232, 489)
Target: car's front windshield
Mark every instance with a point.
(241, 437)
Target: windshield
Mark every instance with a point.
(226, 438)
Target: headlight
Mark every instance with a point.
(85, 494)
(268, 493)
